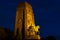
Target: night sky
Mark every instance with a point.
(46, 12)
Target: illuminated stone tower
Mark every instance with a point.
(24, 24)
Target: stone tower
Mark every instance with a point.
(24, 24)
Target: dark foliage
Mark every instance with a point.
(50, 38)
(42, 39)
(5, 34)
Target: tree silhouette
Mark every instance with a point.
(50, 38)
(42, 39)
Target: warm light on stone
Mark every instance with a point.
(25, 22)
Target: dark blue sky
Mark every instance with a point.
(47, 15)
